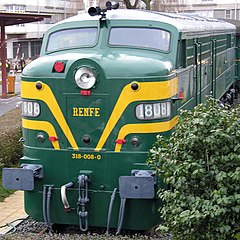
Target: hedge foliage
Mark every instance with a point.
(10, 133)
(200, 163)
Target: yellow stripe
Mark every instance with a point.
(145, 128)
(28, 90)
(41, 125)
(147, 91)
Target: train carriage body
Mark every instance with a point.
(94, 101)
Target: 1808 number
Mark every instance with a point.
(86, 156)
(157, 110)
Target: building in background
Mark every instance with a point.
(224, 9)
(25, 40)
(214, 8)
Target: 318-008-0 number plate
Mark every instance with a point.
(86, 156)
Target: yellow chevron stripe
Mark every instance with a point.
(41, 125)
(145, 128)
(146, 91)
(28, 90)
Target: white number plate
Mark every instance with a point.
(153, 110)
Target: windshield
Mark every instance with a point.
(140, 37)
(72, 38)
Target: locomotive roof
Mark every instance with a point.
(235, 22)
(183, 22)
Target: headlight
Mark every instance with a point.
(30, 109)
(158, 110)
(85, 78)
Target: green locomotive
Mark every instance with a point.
(106, 83)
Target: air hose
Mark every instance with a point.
(110, 209)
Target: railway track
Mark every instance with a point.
(28, 228)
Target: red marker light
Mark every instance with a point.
(180, 94)
(59, 67)
(121, 141)
(85, 92)
(53, 138)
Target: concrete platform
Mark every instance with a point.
(10, 210)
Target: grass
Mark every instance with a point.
(4, 192)
(10, 149)
(10, 120)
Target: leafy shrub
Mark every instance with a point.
(10, 133)
(200, 162)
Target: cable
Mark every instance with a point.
(110, 209)
(44, 205)
(13, 230)
(121, 215)
(7, 224)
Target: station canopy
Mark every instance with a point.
(9, 19)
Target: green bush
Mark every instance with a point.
(10, 148)
(10, 133)
(200, 162)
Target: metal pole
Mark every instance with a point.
(65, 11)
(3, 56)
(38, 22)
(38, 6)
(235, 8)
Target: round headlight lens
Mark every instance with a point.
(85, 78)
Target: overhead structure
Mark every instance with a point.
(8, 19)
